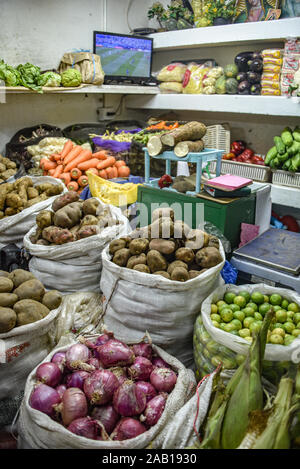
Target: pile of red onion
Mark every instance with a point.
(103, 389)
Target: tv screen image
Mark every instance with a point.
(124, 56)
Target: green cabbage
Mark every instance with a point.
(9, 74)
(71, 77)
(49, 79)
(29, 76)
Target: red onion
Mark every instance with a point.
(120, 373)
(107, 416)
(103, 338)
(147, 388)
(129, 400)
(100, 386)
(141, 369)
(76, 379)
(160, 363)
(73, 406)
(95, 363)
(48, 373)
(127, 428)
(61, 389)
(77, 356)
(59, 358)
(154, 409)
(163, 379)
(115, 353)
(142, 350)
(85, 427)
(43, 398)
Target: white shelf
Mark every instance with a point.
(91, 89)
(282, 195)
(241, 33)
(267, 105)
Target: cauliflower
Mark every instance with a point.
(209, 90)
(215, 72)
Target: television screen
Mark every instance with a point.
(123, 56)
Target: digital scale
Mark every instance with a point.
(274, 255)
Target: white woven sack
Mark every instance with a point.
(21, 349)
(135, 302)
(38, 431)
(14, 228)
(240, 345)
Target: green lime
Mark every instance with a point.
(284, 303)
(240, 315)
(222, 325)
(275, 299)
(249, 339)
(213, 309)
(289, 327)
(234, 332)
(244, 332)
(296, 332)
(266, 299)
(252, 305)
(296, 318)
(229, 297)
(289, 339)
(257, 298)
(276, 339)
(277, 308)
(240, 301)
(290, 316)
(276, 325)
(281, 315)
(234, 307)
(229, 327)
(238, 325)
(293, 307)
(215, 317)
(255, 327)
(216, 324)
(279, 331)
(220, 303)
(248, 321)
(212, 347)
(248, 311)
(246, 295)
(226, 314)
(264, 308)
(258, 317)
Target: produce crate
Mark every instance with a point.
(285, 178)
(248, 170)
(218, 137)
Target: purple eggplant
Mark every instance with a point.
(255, 65)
(253, 77)
(257, 55)
(241, 60)
(244, 87)
(241, 76)
(255, 89)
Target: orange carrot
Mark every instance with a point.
(67, 148)
(106, 163)
(103, 174)
(119, 163)
(123, 171)
(83, 156)
(76, 173)
(94, 171)
(51, 157)
(72, 154)
(92, 163)
(58, 171)
(51, 172)
(102, 154)
(45, 173)
(73, 186)
(46, 164)
(109, 172)
(56, 157)
(66, 178)
(83, 181)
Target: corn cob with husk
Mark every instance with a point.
(229, 413)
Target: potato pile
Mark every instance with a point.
(168, 248)
(8, 168)
(71, 219)
(23, 299)
(21, 194)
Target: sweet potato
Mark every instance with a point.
(52, 299)
(136, 260)
(116, 244)
(8, 319)
(163, 246)
(175, 264)
(57, 235)
(6, 285)
(156, 261)
(65, 199)
(92, 207)
(137, 246)
(208, 257)
(8, 299)
(31, 290)
(19, 276)
(29, 311)
(68, 216)
(185, 254)
(121, 257)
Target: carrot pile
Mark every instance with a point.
(72, 164)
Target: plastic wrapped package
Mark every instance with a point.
(270, 76)
(291, 63)
(270, 84)
(272, 60)
(274, 53)
(270, 91)
(292, 46)
(271, 68)
(170, 87)
(192, 82)
(172, 72)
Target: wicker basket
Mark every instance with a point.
(252, 171)
(218, 137)
(285, 178)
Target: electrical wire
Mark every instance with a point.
(127, 15)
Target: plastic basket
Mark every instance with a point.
(252, 171)
(112, 192)
(218, 137)
(286, 178)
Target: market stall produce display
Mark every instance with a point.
(285, 154)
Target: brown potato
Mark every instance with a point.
(179, 274)
(127, 240)
(181, 230)
(44, 219)
(36, 200)
(68, 216)
(161, 228)
(142, 268)
(116, 244)
(197, 239)
(42, 242)
(135, 260)
(92, 207)
(32, 192)
(52, 299)
(163, 212)
(175, 264)
(137, 246)
(8, 319)
(89, 220)
(19, 276)
(162, 245)
(13, 200)
(29, 311)
(6, 285)
(56, 235)
(163, 274)
(65, 199)
(8, 299)
(213, 242)
(156, 261)
(185, 254)
(31, 290)
(49, 189)
(121, 257)
(87, 230)
(208, 257)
